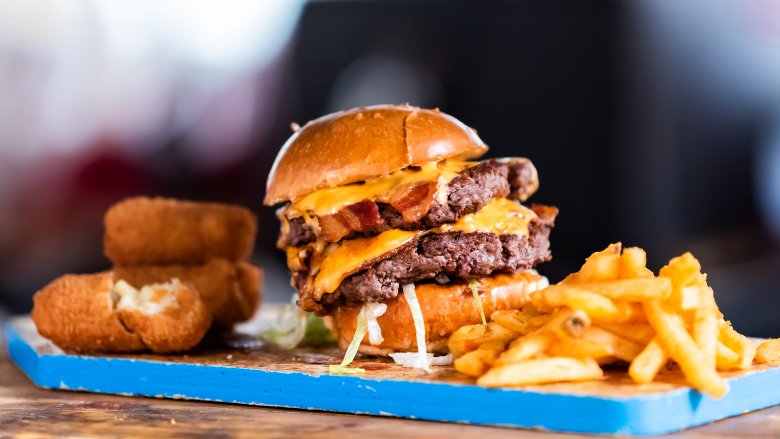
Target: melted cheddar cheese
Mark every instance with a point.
(330, 200)
(339, 260)
(500, 216)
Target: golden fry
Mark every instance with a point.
(647, 364)
(615, 310)
(768, 351)
(681, 270)
(470, 337)
(622, 348)
(595, 305)
(567, 323)
(603, 265)
(679, 345)
(527, 346)
(540, 371)
(518, 321)
(725, 358)
(580, 348)
(640, 333)
(630, 290)
(476, 362)
(740, 344)
(705, 326)
(633, 264)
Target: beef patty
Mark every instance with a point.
(455, 254)
(472, 189)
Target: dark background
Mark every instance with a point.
(652, 123)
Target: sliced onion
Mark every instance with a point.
(349, 356)
(477, 300)
(373, 311)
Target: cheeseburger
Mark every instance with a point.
(390, 224)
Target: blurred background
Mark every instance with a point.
(655, 123)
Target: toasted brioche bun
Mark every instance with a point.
(445, 308)
(363, 143)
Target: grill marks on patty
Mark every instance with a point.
(460, 255)
(467, 193)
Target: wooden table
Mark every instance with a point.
(27, 410)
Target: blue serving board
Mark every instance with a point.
(299, 379)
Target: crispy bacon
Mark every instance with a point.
(359, 216)
(546, 214)
(413, 200)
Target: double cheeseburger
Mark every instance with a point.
(383, 199)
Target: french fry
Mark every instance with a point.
(539, 302)
(567, 323)
(646, 365)
(470, 337)
(679, 345)
(630, 290)
(682, 270)
(768, 351)
(603, 265)
(613, 310)
(739, 344)
(541, 370)
(580, 348)
(690, 298)
(622, 348)
(577, 298)
(517, 321)
(527, 346)
(476, 362)
(705, 326)
(725, 358)
(640, 333)
(633, 264)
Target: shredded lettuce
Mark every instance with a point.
(316, 332)
(293, 325)
(422, 361)
(349, 356)
(477, 300)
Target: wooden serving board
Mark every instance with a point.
(300, 379)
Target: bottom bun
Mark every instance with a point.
(445, 308)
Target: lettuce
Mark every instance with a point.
(349, 356)
(477, 300)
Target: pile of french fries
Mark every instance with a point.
(613, 311)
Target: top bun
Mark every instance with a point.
(363, 143)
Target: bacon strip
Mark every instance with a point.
(413, 200)
(359, 216)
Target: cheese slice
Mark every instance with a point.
(500, 216)
(330, 200)
(339, 260)
(342, 259)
